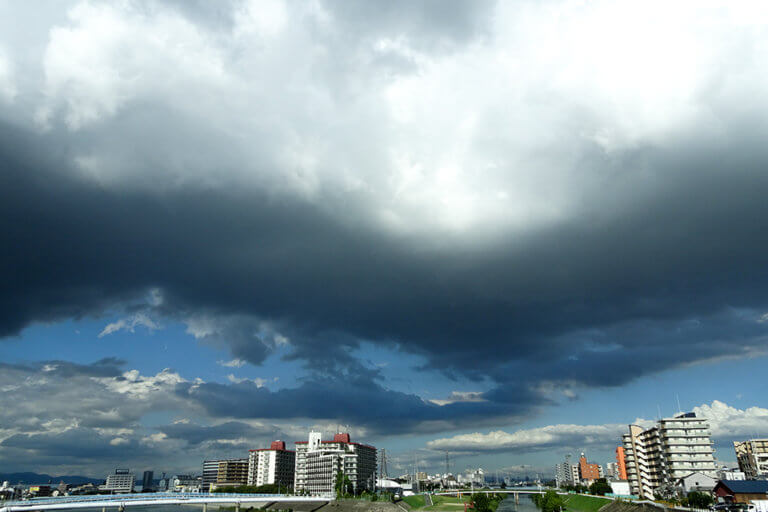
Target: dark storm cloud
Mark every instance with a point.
(357, 399)
(195, 434)
(664, 256)
(243, 168)
(86, 444)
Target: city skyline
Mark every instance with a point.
(500, 230)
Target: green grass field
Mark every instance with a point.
(576, 503)
(416, 501)
(440, 503)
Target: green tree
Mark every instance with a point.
(550, 501)
(481, 502)
(503, 484)
(600, 487)
(697, 499)
(342, 486)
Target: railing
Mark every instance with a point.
(216, 496)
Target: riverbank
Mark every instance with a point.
(436, 503)
(581, 503)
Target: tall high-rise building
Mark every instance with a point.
(319, 462)
(686, 447)
(564, 472)
(753, 457)
(662, 455)
(273, 465)
(232, 472)
(224, 472)
(621, 463)
(641, 449)
(210, 473)
(147, 483)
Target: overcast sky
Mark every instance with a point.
(505, 230)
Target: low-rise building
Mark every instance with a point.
(120, 482)
(726, 473)
(697, 482)
(741, 491)
(186, 483)
(620, 488)
(588, 472)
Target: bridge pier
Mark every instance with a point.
(205, 507)
(237, 507)
(517, 498)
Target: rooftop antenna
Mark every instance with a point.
(447, 464)
(658, 407)
(679, 409)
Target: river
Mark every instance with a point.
(525, 505)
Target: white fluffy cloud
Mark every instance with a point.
(460, 396)
(233, 363)
(531, 439)
(7, 84)
(111, 54)
(129, 324)
(727, 423)
(540, 85)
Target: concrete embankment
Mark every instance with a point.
(642, 506)
(362, 506)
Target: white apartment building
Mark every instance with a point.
(612, 471)
(686, 447)
(564, 472)
(273, 465)
(318, 462)
(120, 482)
(668, 452)
(753, 457)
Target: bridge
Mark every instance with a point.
(511, 490)
(121, 501)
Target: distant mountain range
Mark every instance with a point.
(38, 478)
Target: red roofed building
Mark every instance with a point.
(273, 465)
(318, 462)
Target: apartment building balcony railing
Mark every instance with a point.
(687, 442)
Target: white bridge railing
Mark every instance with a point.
(147, 499)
